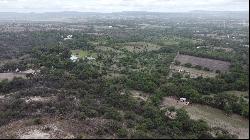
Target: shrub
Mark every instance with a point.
(37, 121)
(198, 67)
(206, 69)
(122, 133)
(113, 114)
(188, 65)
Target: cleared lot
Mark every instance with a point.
(11, 76)
(194, 73)
(235, 124)
(138, 47)
(212, 64)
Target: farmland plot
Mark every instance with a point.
(212, 64)
(82, 54)
(138, 47)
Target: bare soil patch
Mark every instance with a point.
(172, 101)
(192, 72)
(235, 124)
(139, 95)
(138, 47)
(11, 76)
(39, 99)
(53, 128)
(212, 64)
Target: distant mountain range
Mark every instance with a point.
(72, 15)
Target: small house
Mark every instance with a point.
(69, 37)
(183, 99)
(17, 70)
(73, 58)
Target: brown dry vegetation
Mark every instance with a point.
(53, 128)
(194, 73)
(11, 76)
(212, 64)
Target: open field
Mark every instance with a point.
(225, 49)
(238, 93)
(212, 64)
(171, 101)
(11, 76)
(244, 94)
(52, 128)
(194, 73)
(104, 48)
(235, 124)
(139, 46)
(82, 53)
(139, 95)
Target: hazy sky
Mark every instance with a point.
(122, 5)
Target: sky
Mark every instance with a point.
(107, 6)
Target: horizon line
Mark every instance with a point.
(127, 11)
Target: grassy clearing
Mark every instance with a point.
(137, 47)
(11, 76)
(174, 41)
(170, 101)
(235, 124)
(82, 53)
(139, 95)
(194, 73)
(104, 48)
(169, 41)
(238, 93)
(244, 94)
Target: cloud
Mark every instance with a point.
(120, 5)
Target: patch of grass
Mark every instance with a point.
(37, 121)
(235, 124)
(139, 46)
(244, 94)
(82, 53)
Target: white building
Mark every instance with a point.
(73, 58)
(183, 99)
(69, 37)
(17, 70)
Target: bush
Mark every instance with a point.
(198, 67)
(206, 69)
(188, 65)
(113, 126)
(218, 71)
(112, 114)
(140, 135)
(131, 123)
(122, 133)
(177, 62)
(37, 121)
